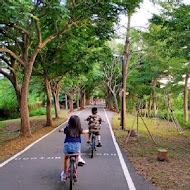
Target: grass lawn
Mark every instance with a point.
(172, 175)
(11, 142)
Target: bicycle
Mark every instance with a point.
(93, 140)
(72, 169)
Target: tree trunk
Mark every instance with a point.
(82, 105)
(78, 104)
(109, 100)
(88, 99)
(66, 103)
(71, 102)
(169, 109)
(146, 108)
(24, 111)
(125, 69)
(49, 121)
(106, 102)
(116, 102)
(17, 89)
(154, 98)
(55, 93)
(56, 104)
(150, 105)
(114, 96)
(186, 98)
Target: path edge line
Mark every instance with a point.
(30, 145)
(121, 159)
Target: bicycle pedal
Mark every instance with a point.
(80, 164)
(64, 181)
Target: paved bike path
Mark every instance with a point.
(40, 166)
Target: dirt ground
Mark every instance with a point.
(11, 142)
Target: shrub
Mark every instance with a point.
(179, 116)
(8, 105)
(1, 124)
(38, 111)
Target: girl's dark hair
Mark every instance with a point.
(74, 126)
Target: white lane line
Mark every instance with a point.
(121, 159)
(17, 158)
(57, 158)
(34, 158)
(29, 146)
(25, 158)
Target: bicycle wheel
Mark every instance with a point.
(71, 173)
(93, 146)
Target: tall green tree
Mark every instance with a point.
(128, 8)
(174, 25)
(27, 27)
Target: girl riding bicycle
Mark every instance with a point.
(72, 142)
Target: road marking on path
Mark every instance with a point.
(59, 157)
(121, 159)
(29, 146)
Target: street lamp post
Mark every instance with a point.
(122, 96)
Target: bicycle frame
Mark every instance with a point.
(93, 140)
(72, 169)
(93, 144)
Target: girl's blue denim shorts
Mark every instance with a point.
(71, 147)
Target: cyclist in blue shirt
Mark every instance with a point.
(72, 142)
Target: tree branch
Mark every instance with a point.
(4, 32)
(51, 37)
(5, 74)
(12, 25)
(38, 32)
(12, 54)
(5, 60)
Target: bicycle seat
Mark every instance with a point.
(96, 128)
(72, 154)
(94, 131)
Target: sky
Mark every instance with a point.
(140, 18)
